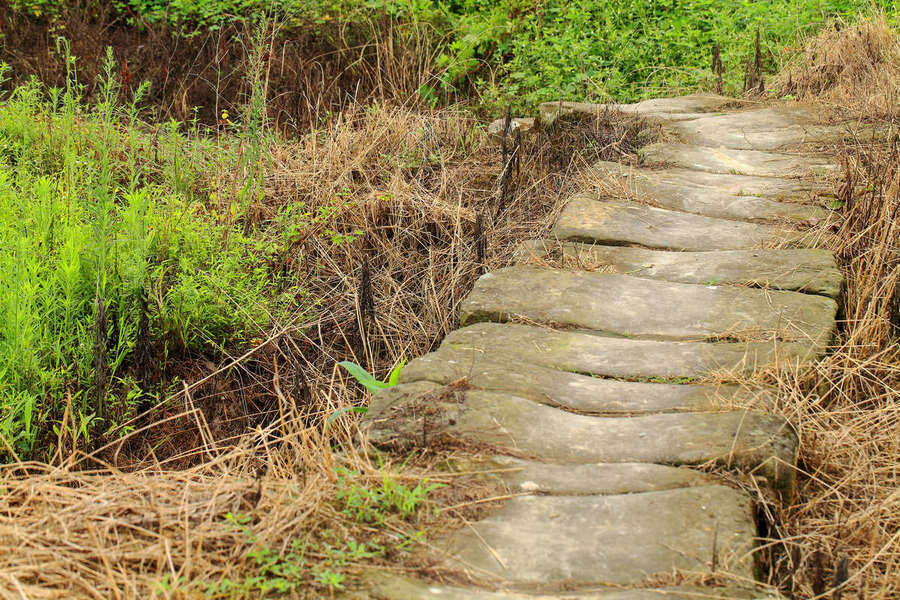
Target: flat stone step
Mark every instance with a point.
(411, 414)
(623, 222)
(665, 109)
(762, 129)
(390, 587)
(528, 476)
(573, 391)
(603, 356)
(720, 195)
(738, 162)
(812, 271)
(631, 306)
(609, 540)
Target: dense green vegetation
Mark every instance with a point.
(527, 51)
(105, 244)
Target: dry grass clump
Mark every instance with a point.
(843, 532)
(851, 67)
(272, 511)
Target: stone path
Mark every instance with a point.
(589, 374)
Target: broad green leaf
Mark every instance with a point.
(363, 377)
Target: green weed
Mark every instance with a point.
(103, 224)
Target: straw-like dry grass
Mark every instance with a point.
(854, 68)
(847, 410)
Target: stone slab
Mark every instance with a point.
(573, 391)
(762, 129)
(387, 587)
(635, 307)
(738, 162)
(666, 109)
(409, 415)
(812, 271)
(603, 356)
(609, 540)
(720, 195)
(528, 476)
(623, 222)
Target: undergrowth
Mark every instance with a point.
(433, 52)
(111, 249)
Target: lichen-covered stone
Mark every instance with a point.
(632, 306)
(738, 162)
(382, 586)
(808, 270)
(609, 540)
(533, 477)
(583, 393)
(422, 414)
(604, 356)
(721, 195)
(659, 109)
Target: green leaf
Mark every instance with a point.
(365, 378)
(395, 374)
(334, 416)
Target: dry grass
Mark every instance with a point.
(854, 68)
(846, 408)
(406, 210)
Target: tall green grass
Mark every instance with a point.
(115, 234)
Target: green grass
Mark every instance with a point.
(109, 239)
(522, 52)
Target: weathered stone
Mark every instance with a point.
(631, 306)
(739, 162)
(665, 109)
(812, 271)
(623, 222)
(381, 586)
(720, 195)
(763, 129)
(604, 356)
(522, 124)
(609, 540)
(408, 415)
(527, 476)
(573, 391)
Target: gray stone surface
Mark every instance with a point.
(414, 414)
(738, 162)
(528, 476)
(387, 587)
(762, 129)
(572, 391)
(716, 194)
(623, 222)
(665, 109)
(813, 271)
(522, 124)
(609, 540)
(581, 352)
(631, 306)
